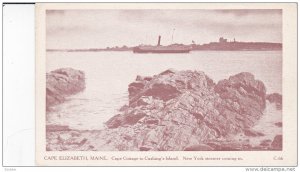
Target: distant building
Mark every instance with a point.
(222, 40)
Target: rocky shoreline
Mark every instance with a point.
(175, 111)
(61, 83)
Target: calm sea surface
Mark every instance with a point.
(109, 73)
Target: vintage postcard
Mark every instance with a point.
(166, 84)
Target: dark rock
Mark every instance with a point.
(141, 78)
(168, 85)
(252, 133)
(61, 83)
(169, 71)
(277, 142)
(265, 143)
(55, 128)
(82, 142)
(48, 148)
(135, 88)
(121, 120)
(147, 78)
(275, 98)
(143, 148)
(75, 133)
(123, 108)
(114, 122)
(76, 141)
(133, 119)
(152, 121)
(278, 124)
(161, 91)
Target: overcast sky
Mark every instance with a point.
(102, 28)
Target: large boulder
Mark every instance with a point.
(243, 99)
(185, 110)
(61, 83)
(242, 86)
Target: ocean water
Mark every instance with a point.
(108, 75)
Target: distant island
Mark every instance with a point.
(116, 48)
(222, 45)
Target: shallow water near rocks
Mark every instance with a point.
(108, 75)
(265, 125)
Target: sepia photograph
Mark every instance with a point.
(166, 84)
(164, 80)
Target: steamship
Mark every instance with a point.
(173, 48)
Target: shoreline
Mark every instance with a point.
(76, 139)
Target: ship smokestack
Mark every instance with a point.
(158, 43)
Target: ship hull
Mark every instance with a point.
(140, 50)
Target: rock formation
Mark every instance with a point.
(61, 83)
(185, 110)
(277, 142)
(178, 110)
(275, 98)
